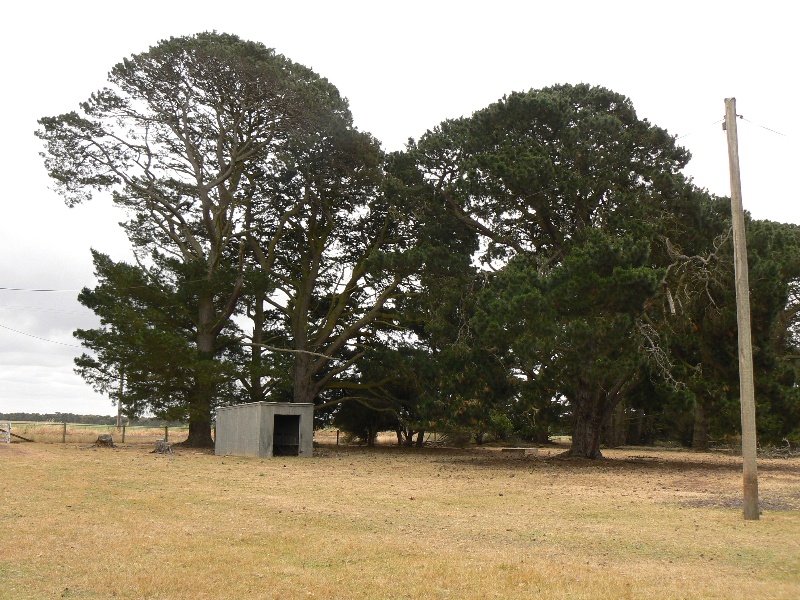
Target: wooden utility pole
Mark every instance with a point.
(119, 398)
(746, 386)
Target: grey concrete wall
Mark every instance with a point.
(247, 429)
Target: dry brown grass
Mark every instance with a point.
(47, 432)
(80, 522)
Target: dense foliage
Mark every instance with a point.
(539, 267)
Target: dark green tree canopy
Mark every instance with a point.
(144, 352)
(250, 189)
(183, 138)
(177, 134)
(536, 170)
(542, 257)
(569, 190)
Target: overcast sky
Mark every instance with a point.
(405, 67)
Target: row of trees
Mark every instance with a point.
(60, 417)
(538, 263)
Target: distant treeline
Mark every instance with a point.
(60, 417)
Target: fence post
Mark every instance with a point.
(166, 433)
(123, 434)
(337, 437)
(64, 434)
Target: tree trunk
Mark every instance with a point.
(615, 431)
(420, 438)
(199, 433)
(700, 432)
(303, 378)
(257, 391)
(592, 407)
(638, 428)
(587, 427)
(200, 411)
(204, 393)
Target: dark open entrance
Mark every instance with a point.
(286, 435)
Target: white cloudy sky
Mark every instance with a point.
(404, 66)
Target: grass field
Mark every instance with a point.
(84, 522)
(75, 433)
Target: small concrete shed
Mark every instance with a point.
(265, 429)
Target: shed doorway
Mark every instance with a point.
(286, 435)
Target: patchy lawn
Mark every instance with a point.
(84, 522)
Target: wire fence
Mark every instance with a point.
(50, 432)
(79, 433)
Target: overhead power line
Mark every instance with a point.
(717, 122)
(762, 126)
(119, 288)
(19, 307)
(721, 121)
(36, 337)
(13, 289)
